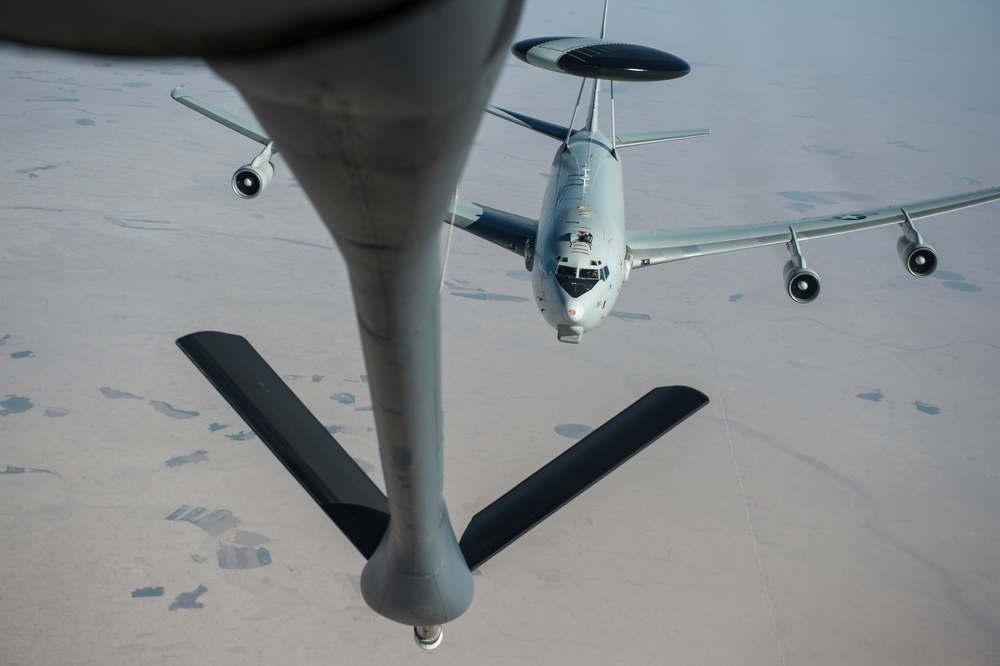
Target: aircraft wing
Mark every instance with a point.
(247, 128)
(657, 247)
(642, 138)
(509, 231)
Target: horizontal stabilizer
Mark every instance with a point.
(640, 138)
(582, 465)
(551, 130)
(295, 437)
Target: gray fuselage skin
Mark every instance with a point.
(581, 235)
(377, 126)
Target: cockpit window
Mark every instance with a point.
(573, 284)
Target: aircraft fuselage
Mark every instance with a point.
(580, 254)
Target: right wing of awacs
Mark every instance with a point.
(250, 179)
(509, 231)
(657, 247)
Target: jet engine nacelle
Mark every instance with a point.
(919, 259)
(251, 179)
(627, 265)
(802, 284)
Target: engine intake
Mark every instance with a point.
(802, 284)
(251, 179)
(919, 259)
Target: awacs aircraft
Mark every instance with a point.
(374, 104)
(578, 251)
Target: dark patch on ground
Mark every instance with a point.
(215, 522)
(242, 436)
(189, 599)
(829, 152)
(27, 353)
(334, 429)
(147, 592)
(4, 339)
(344, 398)
(84, 121)
(168, 409)
(961, 286)
(573, 430)
(30, 173)
(196, 457)
(13, 469)
(242, 557)
(636, 316)
(367, 408)
(735, 297)
(56, 411)
(874, 396)
(218, 426)
(114, 394)
(15, 404)
(926, 408)
(317, 379)
(484, 296)
(907, 145)
(141, 225)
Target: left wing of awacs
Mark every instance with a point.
(657, 247)
(247, 128)
(509, 231)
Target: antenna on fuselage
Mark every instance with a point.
(611, 82)
(576, 108)
(592, 119)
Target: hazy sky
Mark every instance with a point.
(835, 503)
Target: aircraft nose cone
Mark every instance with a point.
(574, 311)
